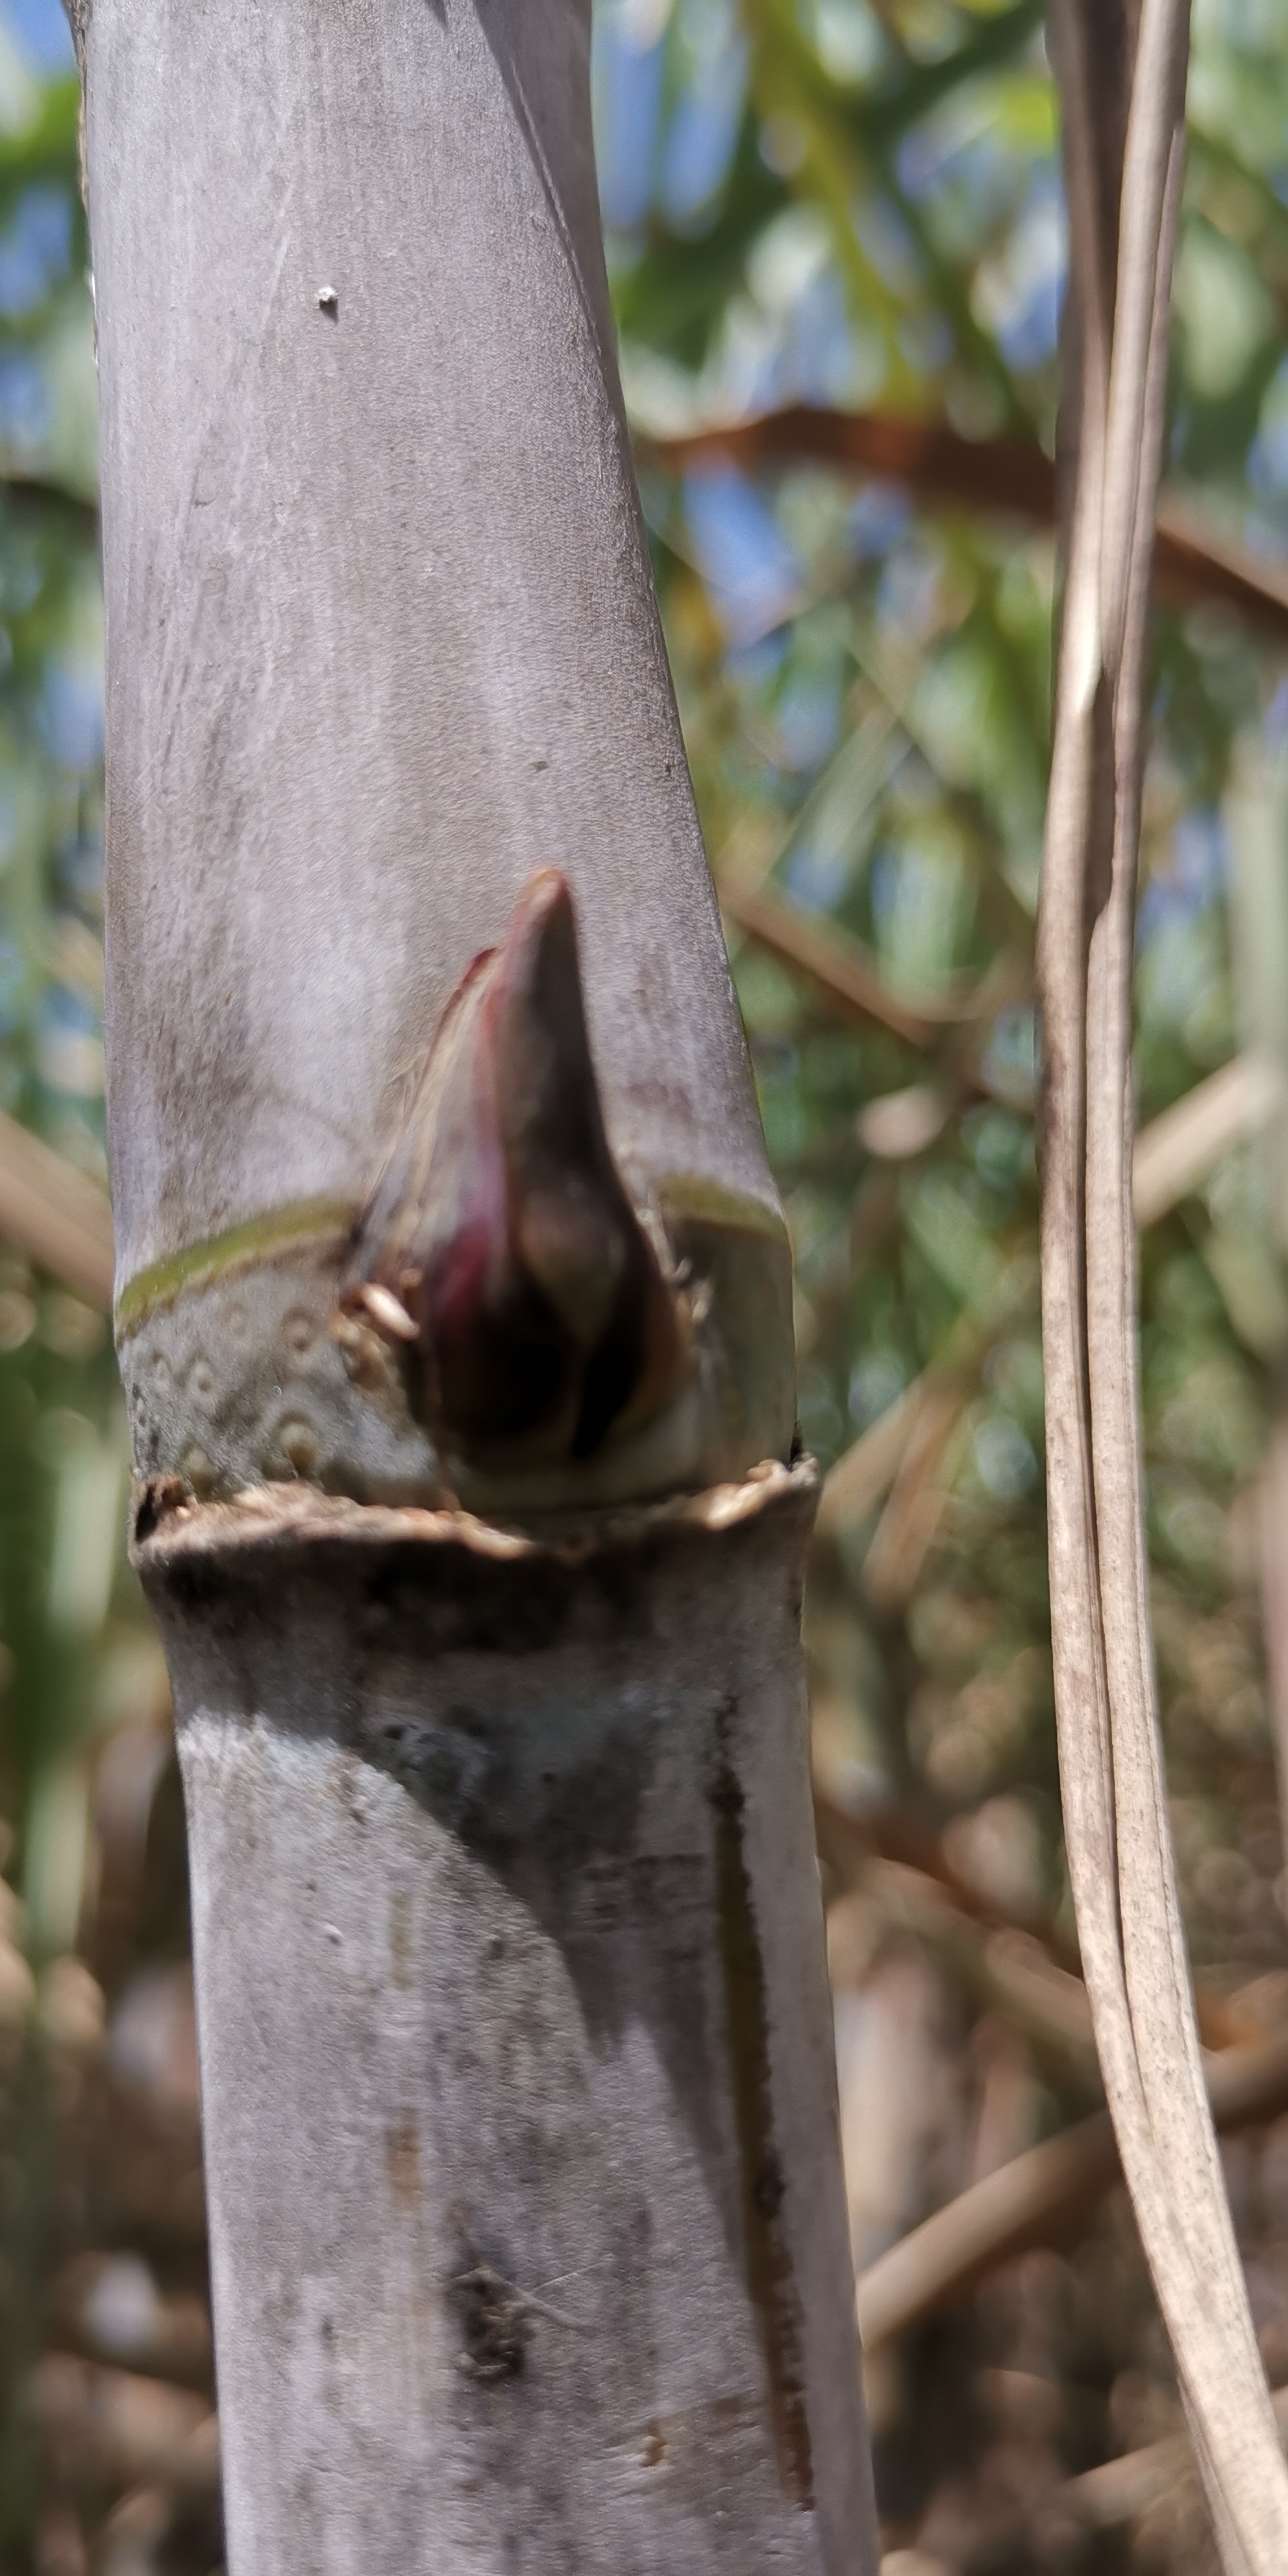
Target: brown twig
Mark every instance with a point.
(838, 966)
(1121, 2490)
(36, 490)
(1193, 560)
(985, 473)
(889, 1834)
(1038, 2196)
(944, 1907)
(1002, 1968)
(909, 1525)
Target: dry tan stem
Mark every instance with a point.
(1117, 1831)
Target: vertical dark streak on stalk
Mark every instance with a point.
(769, 2269)
(1103, 815)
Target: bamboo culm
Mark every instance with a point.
(453, 1307)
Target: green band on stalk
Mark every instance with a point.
(258, 1238)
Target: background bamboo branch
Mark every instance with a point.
(1193, 559)
(57, 1215)
(1032, 2200)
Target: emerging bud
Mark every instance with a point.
(500, 1249)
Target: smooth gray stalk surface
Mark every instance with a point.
(527, 2229)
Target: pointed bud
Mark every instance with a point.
(500, 1247)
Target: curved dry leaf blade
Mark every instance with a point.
(1123, 189)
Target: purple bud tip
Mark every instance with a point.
(500, 1229)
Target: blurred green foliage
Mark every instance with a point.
(62, 1458)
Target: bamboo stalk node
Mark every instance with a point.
(531, 1811)
(167, 1525)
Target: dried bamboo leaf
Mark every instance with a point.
(1120, 1853)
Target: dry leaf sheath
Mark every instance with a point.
(1123, 192)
